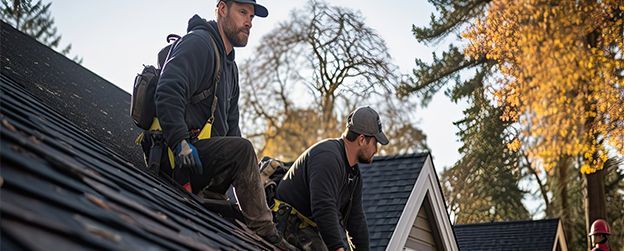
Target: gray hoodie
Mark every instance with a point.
(189, 71)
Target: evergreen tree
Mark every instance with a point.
(35, 20)
(512, 43)
(484, 184)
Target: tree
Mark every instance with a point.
(561, 65)
(35, 20)
(560, 188)
(484, 184)
(312, 71)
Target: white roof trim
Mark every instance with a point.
(427, 183)
(560, 238)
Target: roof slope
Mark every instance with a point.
(62, 189)
(387, 184)
(96, 106)
(513, 235)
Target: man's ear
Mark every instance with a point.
(362, 140)
(220, 11)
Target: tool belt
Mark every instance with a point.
(289, 220)
(287, 216)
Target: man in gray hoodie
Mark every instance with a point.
(212, 165)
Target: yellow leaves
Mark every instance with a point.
(515, 145)
(563, 132)
(566, 89)
(586, 169)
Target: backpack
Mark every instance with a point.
(142, 104)
(271, 173)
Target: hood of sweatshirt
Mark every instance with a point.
(196, 22)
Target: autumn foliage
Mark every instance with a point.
(561, 66)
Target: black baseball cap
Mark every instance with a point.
(259, 10)
(366, 121)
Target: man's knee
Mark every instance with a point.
(243, 146)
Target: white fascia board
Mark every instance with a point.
(560, 237)
(427, 183)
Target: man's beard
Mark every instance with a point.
(364, 159)
(233, 34)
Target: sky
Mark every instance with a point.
(116, 37)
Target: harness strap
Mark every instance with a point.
(200, 96)
(206, 131)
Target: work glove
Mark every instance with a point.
(187, 157)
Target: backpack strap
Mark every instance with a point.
(171, 38)
(216, 77)
(205, 133)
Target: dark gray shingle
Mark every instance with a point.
(95, 105)
(387, 184)
(514, 235)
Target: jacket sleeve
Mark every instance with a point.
(181, 76)
(357, 223)
(324, 175)
(233, 113)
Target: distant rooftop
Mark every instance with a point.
(513, 235)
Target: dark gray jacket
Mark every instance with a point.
(189, 71)
(320, 185)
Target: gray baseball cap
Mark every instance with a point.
(259, 10)
(366, 121)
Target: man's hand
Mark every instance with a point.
(188, 157)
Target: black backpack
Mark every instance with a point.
(142, 107)
(142, 104)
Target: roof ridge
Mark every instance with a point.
(505, 222)
(402, 156)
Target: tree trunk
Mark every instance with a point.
(328, 122)
(594, 202)
(563, 165)
(595, 188)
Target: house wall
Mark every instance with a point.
(421, 237)
(426, 194)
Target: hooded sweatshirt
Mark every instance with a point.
(189, 71)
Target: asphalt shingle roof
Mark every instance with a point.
(95, 105)
(387, 184)
(63, 187)
(514, 235)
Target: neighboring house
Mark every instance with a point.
(539, 235)
(406, 210)
(404, 204)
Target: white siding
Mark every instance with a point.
(420, 237)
